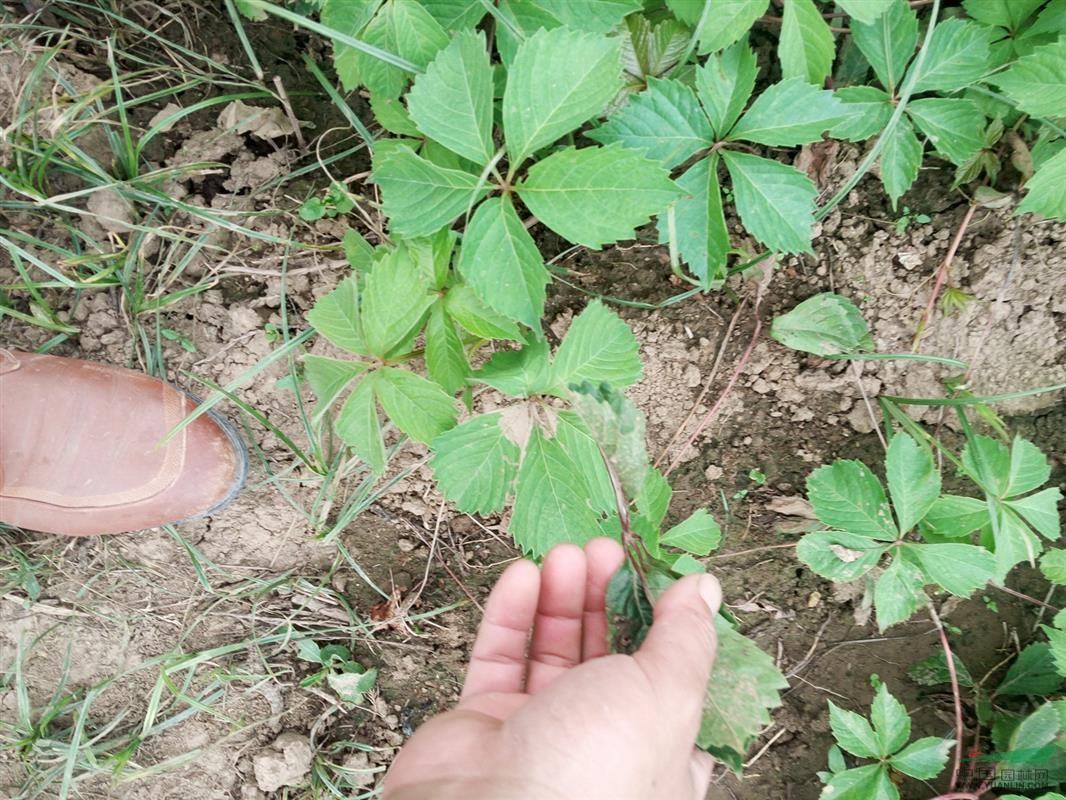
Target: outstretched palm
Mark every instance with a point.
(547, 713)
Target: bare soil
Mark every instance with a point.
(119, 609)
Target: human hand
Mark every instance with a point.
(554, 716)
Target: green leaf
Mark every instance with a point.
(953, 125)
(573, 436)
(1053, 565)
(961, 569)
(347, 17)
(392, 115)
(1041, 511)
(743, 688)
(559, 79)
(475, 464)
(838, 555)
(702, 235)
(403, 28)
(596, 195)
(957, 56)
(1057, 642)
(463, 305)
(420, 197)
(870, 110)
(1032, 673)
(418, 407)
(617, 427)
(954, 516)
(900, 159)
(1049, 22)
(933, 671)
(788, 113)
(913, 480)
(685, 564)
(890, 721)
(1038, 730)
(1009, 14)
(336, 316)
(451, 102)
(598, 346)
(433, 255)
(846, 495)
(724, 84)
(358, 251)
(853, 733)
(550, 505)
(395, 301)
(455, 15)
(652, 48)
(595, 16)
(865, 10)
(351, 686)
(871, 782)
(699, 534)
(502, 264)
(898, 593)
(728, 22)
(806, 47)
(1013, 540)
(923, 758)
(987, 461)
(775, 201)
(825, 324)
(1043, 191)
(1029, 467)
(358, 424)
(329, 377)
(519, 373)
(653, 500)
(888, 42)
(665, 122)
(1036, 83)
(446, 360)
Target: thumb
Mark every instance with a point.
(678, 652)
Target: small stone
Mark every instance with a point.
(713, 472)
(284, 763)
(406, 545)
(692, 376)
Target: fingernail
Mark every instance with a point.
(711, 592)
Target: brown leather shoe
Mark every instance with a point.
(80, 450)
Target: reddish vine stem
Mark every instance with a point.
(950, 659)
(941, 276)
(1033, 600)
